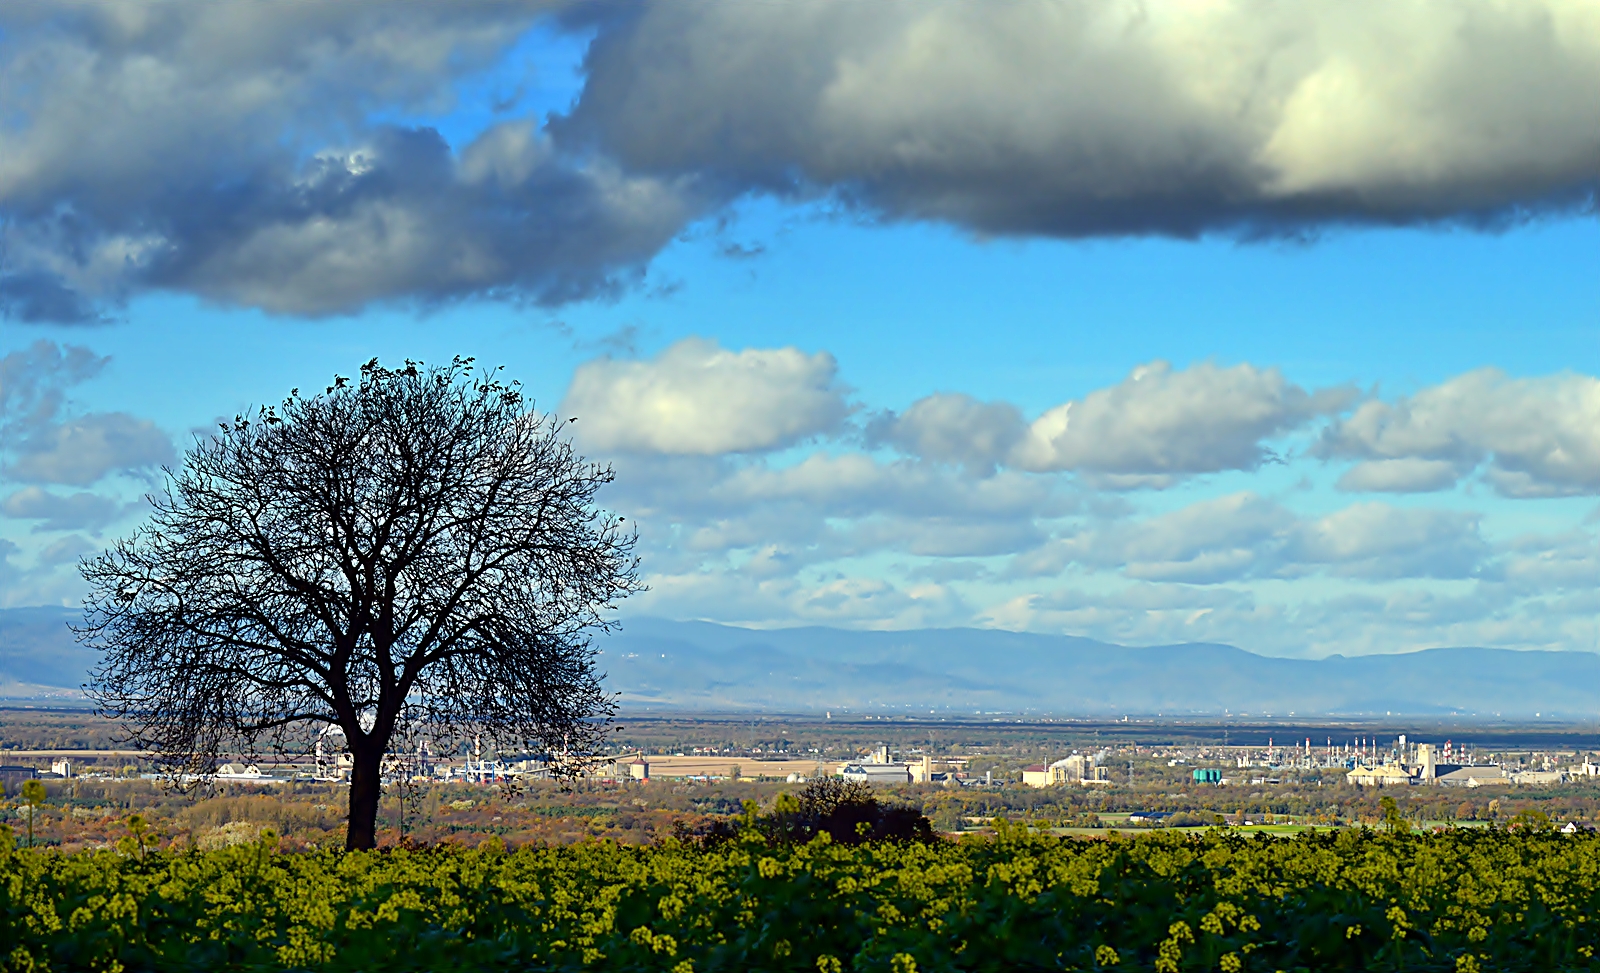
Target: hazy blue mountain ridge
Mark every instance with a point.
(37, 649)
(703, 666)
(699, 665)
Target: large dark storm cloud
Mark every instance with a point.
(1088, 118)
(228, 150)
(238, 151)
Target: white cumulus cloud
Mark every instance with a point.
(1152, 429)
(1165, 422)
(1540, 437)
(950, 427)
(700, 399)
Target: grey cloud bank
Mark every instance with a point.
(1089, 118)
(232, 151)
(244, 152)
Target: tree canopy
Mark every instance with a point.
(415, 552)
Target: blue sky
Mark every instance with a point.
(870, 345)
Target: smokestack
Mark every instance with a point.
(1425, 756)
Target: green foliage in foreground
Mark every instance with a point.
(1353, 900)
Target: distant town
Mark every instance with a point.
(1361, 761)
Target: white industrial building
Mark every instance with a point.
(875, 773)
(879, 770)
(1078, 768)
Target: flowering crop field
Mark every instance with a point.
(1349, 900)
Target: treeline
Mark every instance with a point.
(1330, 804)
(33, 729)
(87, 813)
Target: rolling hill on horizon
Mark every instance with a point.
(702, 665)
(660, 664)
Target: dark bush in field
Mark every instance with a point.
(848, 812)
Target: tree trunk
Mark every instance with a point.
(365, 790)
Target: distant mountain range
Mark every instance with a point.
(663, 664)
(38, 654)
(698, 665)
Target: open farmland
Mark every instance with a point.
(717, 766)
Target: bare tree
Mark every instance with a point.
(415, 551)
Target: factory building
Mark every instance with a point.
(1473, 777)
(1383, 775)
(1072, 770)
(1075, 769)
(876, 773)
(1538, 777)
(878, 770)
